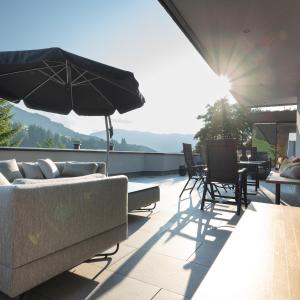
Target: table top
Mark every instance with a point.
(274, 177)
(252, 162)
(261, 259)
(137, 186)
(246, 163)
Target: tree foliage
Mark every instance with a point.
(224, 120)
(7, 130)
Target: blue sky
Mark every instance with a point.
(136, 35)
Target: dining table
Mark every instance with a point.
(252, 166)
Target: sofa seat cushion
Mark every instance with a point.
(10, 169)
(59, 179)
(73, 169)
(32, 171)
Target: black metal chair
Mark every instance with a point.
(223, 169)
(195, 172)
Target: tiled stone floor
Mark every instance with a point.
(166, 256)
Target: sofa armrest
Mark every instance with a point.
(44, 218)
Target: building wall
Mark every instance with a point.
(120, 162)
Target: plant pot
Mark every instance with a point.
(182, 170)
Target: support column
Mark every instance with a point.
(298, 126)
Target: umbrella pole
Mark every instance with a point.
(107, 143)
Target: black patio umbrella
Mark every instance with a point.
(58, 81)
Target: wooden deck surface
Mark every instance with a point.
(261, 260)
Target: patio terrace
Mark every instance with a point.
(167, 254)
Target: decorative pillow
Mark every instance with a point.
(32, 170)
(10, 169)
(296, 159)
(48, 168)
(291, 171)
(287, 162)
(3, 180)
(79, 169)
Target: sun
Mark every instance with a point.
(223, 86)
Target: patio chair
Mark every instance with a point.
(195, 172)
(223, 169)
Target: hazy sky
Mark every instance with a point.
(135, 35)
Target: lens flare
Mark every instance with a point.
(223, 85)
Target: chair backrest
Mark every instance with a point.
(188, 157)
(222, 160)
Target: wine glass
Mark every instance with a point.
(248, 154)
(239, 154)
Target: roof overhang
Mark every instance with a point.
(254, 43)
(279, 117)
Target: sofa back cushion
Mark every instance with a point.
(48, 168)
(32, 171)
(74, 169)
(10, 169)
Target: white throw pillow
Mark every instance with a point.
(10, 170)
(3, 180)
(32, 171)
(73, 169)
(48, 168)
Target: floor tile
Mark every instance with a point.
(167, 295)
(206, 254)
(124, 250)
(107, 285)
(178, 276)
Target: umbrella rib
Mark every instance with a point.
(97, 90)
(41, 84)
(79, 76)
(53, 71)
(29, 70)
(54, 79)
(110, 81)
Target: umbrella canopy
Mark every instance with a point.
(57, 81)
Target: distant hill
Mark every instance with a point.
(41, 131)
(136, 140)
(159, 142)
(28, 118)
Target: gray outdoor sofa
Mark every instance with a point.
(50, 226)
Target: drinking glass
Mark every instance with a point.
(248, 154)
(239, 154)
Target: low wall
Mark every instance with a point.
(120, 162)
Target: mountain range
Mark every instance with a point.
(150, 141)
(161, 142)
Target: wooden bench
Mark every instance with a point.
(261, 259)
(275, 178)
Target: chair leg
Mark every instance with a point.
(204, 195)
(201, 182)
(213, 191)
(238, 198)
(185, 187)
(193, 185)
(244, 183)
